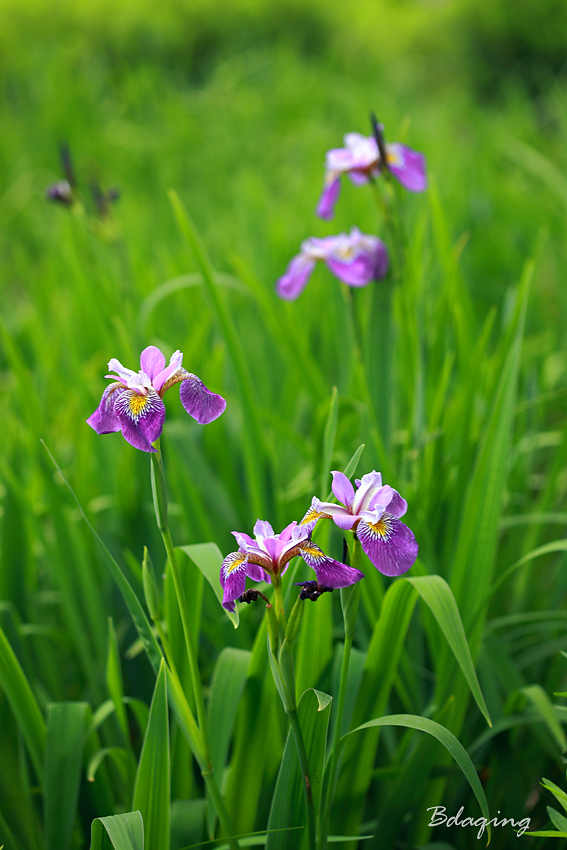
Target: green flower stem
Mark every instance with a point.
(160, 505)
(279, 606)
(349, 599)
(304, 765)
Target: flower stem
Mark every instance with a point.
(279, 605)
(349, 599)
(304, 765)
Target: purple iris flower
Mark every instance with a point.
(133, 403)
(373, 512)
(355, 258)
(360, 159)
(268, 554)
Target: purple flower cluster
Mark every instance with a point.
(355, 258)
(372, 512)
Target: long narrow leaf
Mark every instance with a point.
(119, 832)
(66, 726)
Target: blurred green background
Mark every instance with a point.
(234, 105)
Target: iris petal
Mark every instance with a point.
(141, 418)
(390, 545)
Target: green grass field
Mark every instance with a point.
(462, 408)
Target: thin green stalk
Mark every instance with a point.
(304, 765)
(160, 505)
(279, 606)
(350, 610)
(375, 431)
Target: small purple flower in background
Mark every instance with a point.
(355, 258)
(373, 512)
(268, 555)
(133, 404)
(60, 192)
(361, 160)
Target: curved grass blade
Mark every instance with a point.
(329, 438)
(438, 596)
(66, 726)
(452, 744)
(152, 788)
(544, 706)
(132, 602)
(118, 832)
(119, 756)
(23, 703)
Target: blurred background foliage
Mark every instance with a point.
(234, 105)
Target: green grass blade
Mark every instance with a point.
(329, 435)
(252, 433)
(132, 602)
(288, 802)
(118, 832)
(227, 685)
(543, 705)
(152, 789)
(453, 746)
(114, 681)
(208, 557)
(23, 704)
(438, 596)
(66, 726)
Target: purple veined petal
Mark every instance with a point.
(342, 488)
(273, 547)
(357, 272)
(397, 506)
(329, 572)
(329, 197)
(174, 366)
(141, 418)
(390, 545)
(290, 285)
(407, 166)
(104, 420)
(379, 499)
(311, 518)
(262, 529)
(152, 362)
(233, 578)
(199, 402)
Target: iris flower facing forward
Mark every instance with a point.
(267, 556)
(355, 258)
(133, 402)
(360, 159)
(373, 512)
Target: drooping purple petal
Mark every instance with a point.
(141, 418)
(390, 545)
(290, 285)
(200, 402)
(357, 272)
(329, 197)
(342, 488)
(104, 420)
(233, 578)
(408, 166)
(152, 361)
(329, 572)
